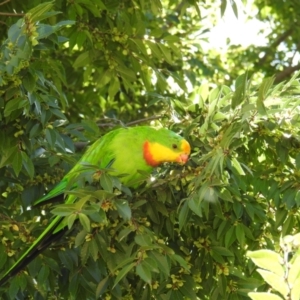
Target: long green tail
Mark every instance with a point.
(50, 234)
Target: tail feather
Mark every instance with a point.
(39, 245)
(31, 254)
(58, 191)
(54, 231)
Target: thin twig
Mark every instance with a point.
(12, 14)
(143, 120)
(2, 3)
(81, 145)
(100, 123)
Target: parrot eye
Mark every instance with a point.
(174, 146)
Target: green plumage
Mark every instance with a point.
(123, 147)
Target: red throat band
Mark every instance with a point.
(148, 156)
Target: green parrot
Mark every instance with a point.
(126, 151)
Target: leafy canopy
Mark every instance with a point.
(72, 70)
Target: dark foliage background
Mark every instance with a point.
(71, 71)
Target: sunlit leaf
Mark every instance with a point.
(268, 260)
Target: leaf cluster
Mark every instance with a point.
(185, 233)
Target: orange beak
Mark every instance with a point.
(183, 158)
(186, 148)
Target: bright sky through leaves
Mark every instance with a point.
(243, 30)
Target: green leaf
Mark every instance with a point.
(58, 113)
(262, 94)
(156, 7)
(295, 293)
(162, 261)
(238, 209)
(280, 216)
(268, 260)
(114, 87)
(8, 155)
(39, 12)
(50, 136)
(123, 209)
(298, 161)
(17, 162)
(71, 219)
(106, 182)
(275, 281)
(234, 8)
(144, 272)
(222, 228)
(123, 273)
(240, 90)
(102, 286)
(181, 261)
(82, 60)
(195, 205)
(151, 263)
(74, 284)
(64, 210)
(14, 32)
(183, 215)
(85, 222)
(29, 82)
(222, 251)
(264, 296)
(3, 257)
(237, 166)
(13, 105)
(223, 7)
(43, 273)
(28, 164)
(14, 287)
(154, 49)
(124, 233)
(225, 195)
(80, 238)
(23, 280)
(126, 72)
(217, 257)
(240, 234)
(35, 130)
(166, 53)
(143, 240)
(140, 45)
(189, 288)
(294, 271)
(84, 252)
(93, 249)
(65, 23)
(230, 237)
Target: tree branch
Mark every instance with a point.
(276, 43)
(2, 3)
(286, 73)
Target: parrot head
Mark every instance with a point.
(167, 147)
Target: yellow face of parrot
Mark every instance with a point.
(156, 153)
